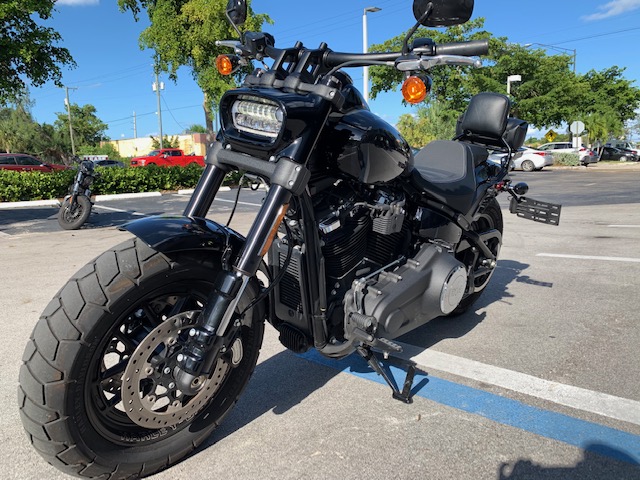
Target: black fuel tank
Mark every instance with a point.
(366, 147)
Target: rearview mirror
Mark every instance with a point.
(444, 13)
(237, 11)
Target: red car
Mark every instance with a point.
(21, 162)
(167, 157)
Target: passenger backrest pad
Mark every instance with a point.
(485, 117)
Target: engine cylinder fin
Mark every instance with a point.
(293, 339)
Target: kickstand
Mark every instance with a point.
(405, 395)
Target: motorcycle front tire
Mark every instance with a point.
(70, 394)
(72, 217)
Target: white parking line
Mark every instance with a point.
(239, 203)
(623, 226)
(575, 397)
(121, 210)
(590, 257)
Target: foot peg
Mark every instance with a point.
(372, 360)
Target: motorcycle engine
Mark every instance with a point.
(360, 230)
(359, 234)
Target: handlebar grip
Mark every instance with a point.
(467, 49)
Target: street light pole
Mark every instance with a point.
(574, 52)
(512, 78)
(157, 86)
(66, 101)
(365, 49)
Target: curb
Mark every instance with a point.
(33, 203)
(56, 203)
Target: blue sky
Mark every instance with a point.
(115, 76)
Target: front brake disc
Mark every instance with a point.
(150, 396)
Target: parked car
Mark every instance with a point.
(167, 157)
(623, 155)
(22, 162)
(108, 163)
(624, 145)
(586, 155)
(527, 159)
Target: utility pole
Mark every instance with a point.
(157, 86)
(135, 126)
(66, 101)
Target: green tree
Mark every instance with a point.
(88, 129)
(433, 122)
(183, 33)
(27, 48)
(610, 93)
(196, 129)
(549, 92)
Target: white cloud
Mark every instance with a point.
(77, 3)
(613, 8)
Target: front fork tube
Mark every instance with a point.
(207, 340)
(204, 193)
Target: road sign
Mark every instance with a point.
(577, 127)
(550, 135)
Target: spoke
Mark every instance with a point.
(179, 306)
(116, 370)
(153, 318)
(113, 401)
(129, 343)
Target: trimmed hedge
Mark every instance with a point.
(566, 159)
(21, 186)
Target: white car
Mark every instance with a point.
(586, 155)
(527, 159)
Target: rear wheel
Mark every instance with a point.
(80, 385)
(528, 166)
(490, 219)
(72, 215)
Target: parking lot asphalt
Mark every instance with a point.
(540, 381)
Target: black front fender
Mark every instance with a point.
(171, 234)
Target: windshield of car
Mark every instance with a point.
(153, 153)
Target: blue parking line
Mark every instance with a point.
(589, 436)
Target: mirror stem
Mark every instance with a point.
(405, 44)
(235, 27)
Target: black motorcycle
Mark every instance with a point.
(76, 207)
(147, 348)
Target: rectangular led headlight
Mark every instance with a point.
(257, 116)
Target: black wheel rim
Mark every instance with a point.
(103, 398)
(484, 224)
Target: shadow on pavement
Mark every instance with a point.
(595, 465)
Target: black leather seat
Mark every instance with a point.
(445, 170)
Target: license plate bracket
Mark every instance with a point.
(543, 212)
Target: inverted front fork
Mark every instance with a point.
(215, 327)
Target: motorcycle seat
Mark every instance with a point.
(446, 170)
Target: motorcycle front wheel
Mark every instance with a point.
(76, 380)
(72, 216)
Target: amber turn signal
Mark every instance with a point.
(224, 64)
(414, 90)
